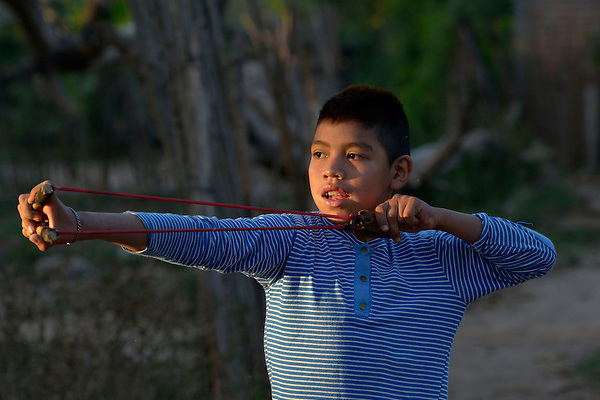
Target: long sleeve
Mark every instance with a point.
(259, 254)
(506, 254)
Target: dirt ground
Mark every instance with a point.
(521, 343)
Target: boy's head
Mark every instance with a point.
(359, 154)
(376, 109)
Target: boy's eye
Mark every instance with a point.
(318, 154)
(354, 156)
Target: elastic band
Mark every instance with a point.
(205, 203)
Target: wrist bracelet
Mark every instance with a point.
(78, 226)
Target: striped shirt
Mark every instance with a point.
(347, 319)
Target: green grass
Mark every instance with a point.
(589, 369)
(92, 321)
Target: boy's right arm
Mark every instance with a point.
(62, 218)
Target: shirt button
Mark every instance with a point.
(363, 250)
(363, 278)
(362, 306)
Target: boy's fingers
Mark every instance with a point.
(410, 219)
(24, 207)
(29, 214)
(395, 220)
(410, 214)
(28, 226)
(39, 242)
(402, 214)
(29, 217)
(381, 217)
(389, 219)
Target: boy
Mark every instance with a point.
(350, 314)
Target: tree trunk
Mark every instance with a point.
(181, 69)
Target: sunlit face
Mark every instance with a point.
(349, 169)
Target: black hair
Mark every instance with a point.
(374, 108)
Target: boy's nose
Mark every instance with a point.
(333, 174)
(334, 170)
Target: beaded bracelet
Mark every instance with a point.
(78, 225)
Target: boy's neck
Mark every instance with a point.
(364, 235)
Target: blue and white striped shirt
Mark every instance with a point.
(347, 319)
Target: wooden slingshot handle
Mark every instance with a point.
(48, 235)
(42, 196)
(367, 222)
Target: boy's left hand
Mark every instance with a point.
(404, 213)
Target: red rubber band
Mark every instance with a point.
(204, 203)
(264, 228)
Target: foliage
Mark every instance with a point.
(12, 48)
(589, 369)
(405, 46)
(33, 126)
(105, 121)
(408, 47)
(72, 15)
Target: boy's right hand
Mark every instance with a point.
(53, 212)
(403, 213)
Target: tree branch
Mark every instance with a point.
(51, 56)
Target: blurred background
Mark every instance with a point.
(217, 100)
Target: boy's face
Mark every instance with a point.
(349, 169)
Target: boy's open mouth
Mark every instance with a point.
(335, 195)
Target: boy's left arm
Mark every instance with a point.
(499, 253)
(404, 213)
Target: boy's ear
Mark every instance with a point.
(400, 170)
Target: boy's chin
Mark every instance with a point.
(343, 214)
(341, 220)
(343, 209)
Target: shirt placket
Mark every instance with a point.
(362, 280)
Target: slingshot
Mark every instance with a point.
(363, 220)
